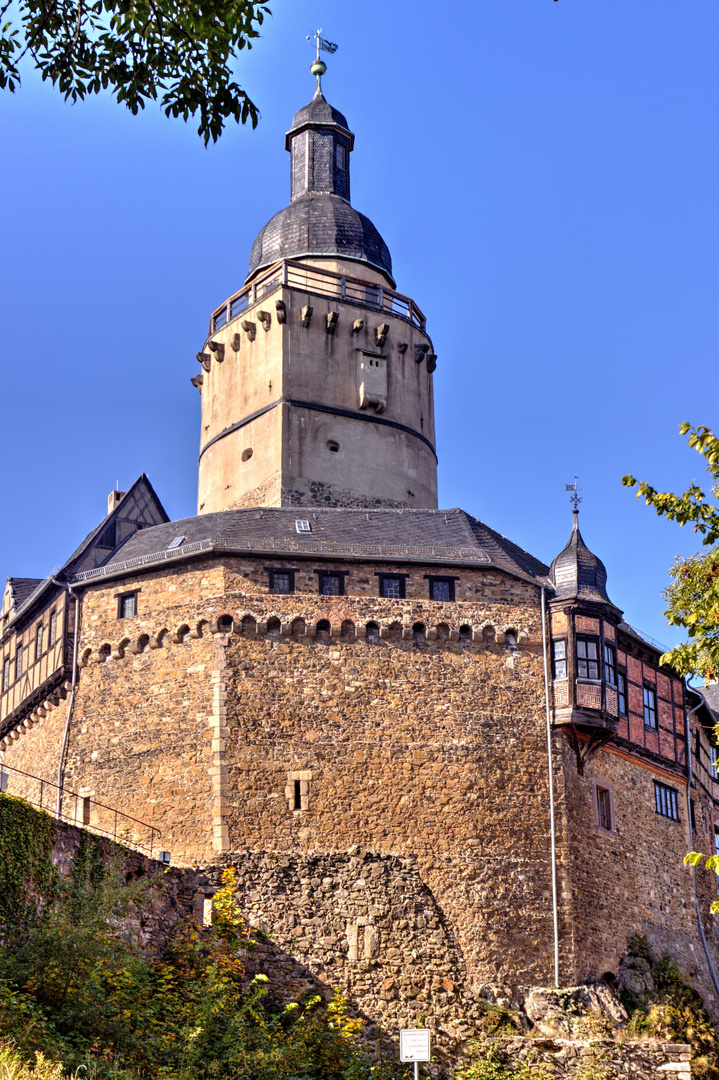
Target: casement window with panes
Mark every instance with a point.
(622, 693)
(282, 582)
(559, 659)
(610, 664)
(587, 659)
(650, 706)
(666, 801)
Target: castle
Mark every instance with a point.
(437, 753)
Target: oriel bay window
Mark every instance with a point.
(559, 659)
(587, 658)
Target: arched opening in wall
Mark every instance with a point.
(183, 634)
(610, 979)
(347, 630)
(298, 628)
(85, 658)
(201, 628)
(394, 633)
(105, 651)
(274, 628)
(323, 630)
(225, 624)
(465, 635)
(122, 646)
(488, 633)
(247, 454)
(249, 625)
(333, 447)
(510, 638)
(143, 643)
(419, 633)
(442, 632)
(372, 633)
(161, 638)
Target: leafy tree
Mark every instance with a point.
(693, 596)
(168, 50)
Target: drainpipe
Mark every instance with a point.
(552, 830)
(687, 743)
(73, 684)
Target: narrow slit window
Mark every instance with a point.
(298, 795)
(6, 673)
(52, 631)
(604, 809)
(18, 661)
(86, 810)
(650, 707)
(622, 693)
(610, 665)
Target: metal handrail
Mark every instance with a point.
(303, 276)
(309, 547)
(72, 819)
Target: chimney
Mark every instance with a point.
(113, 499)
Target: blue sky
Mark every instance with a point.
(545, 174)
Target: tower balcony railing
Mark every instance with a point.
(313, 279)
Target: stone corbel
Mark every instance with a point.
(431, 362)
(361, 631)
(250, 328)
(281, 311)
(335, 630)
(407, 634)
(197, 381)
(419, 353)
(431, 633)
(262, 627)
(380, 333)
(357, 325)
(265, 318)
(236, 342)
(332, 317)
(402, 347)
(205, 359)
(218, 349)
(454, 635)
(306, 316)
(286, 629)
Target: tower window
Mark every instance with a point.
(603, 800)
(127, 605)
(587, 659)
(298, 795)
(391, 586)
(650, 706)
(341, 155)
(665, 801)
(622, 693)
(441, 589)
(610, 665)
(332, 582)
(282, 582)
(559, 659)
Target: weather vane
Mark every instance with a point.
(575, 498)
(319, 67)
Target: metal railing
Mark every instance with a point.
(297, 275)
(288, 547)
(86, 812)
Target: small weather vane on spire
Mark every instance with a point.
(575, 498)
(319, 67)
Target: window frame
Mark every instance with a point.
(563, 659)
(622, 693)
(322, 574)
(671, 800)
(649, 708)
(271, 571)
(19, 657)
(584, 639)
(601, 786)
(402, 578)
(6, 665)
(39, 635)
(52, 629)
(610, 650)
(123, 598)
(433, 579)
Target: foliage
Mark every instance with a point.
(26, 870)
(491, 1065)
(693, 596)
(14, 1067)
(76, 986)
(674, 1012)
(142, 50)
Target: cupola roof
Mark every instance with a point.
(319, 220)
(577, 573)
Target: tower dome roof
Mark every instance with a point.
(577, 573)
(319, 220)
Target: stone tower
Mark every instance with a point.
(316, 378)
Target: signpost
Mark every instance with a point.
(414, 1046)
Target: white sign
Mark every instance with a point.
(414, 1045)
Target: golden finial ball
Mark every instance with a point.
(318, 67)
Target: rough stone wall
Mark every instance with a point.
(581, 1059)
(634, 878)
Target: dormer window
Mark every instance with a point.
(176, 543)
(587, 659)
(302, 525)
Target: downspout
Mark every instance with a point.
(73, 684)
(687, 743)
(552, 829)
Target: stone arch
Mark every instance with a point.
(274, 627)
(200, 629)
(419, 633)
(182, 634)
(488, 633)
(105, 652)
(323, 630)
(225, 623)
(85, 658)
(510, 637)
(160, 640)
(298, 628)
(442, 632)
(143, 643)
(372, 633)
(118, 653)
(249, 625)
(465, 634)
(347, 630)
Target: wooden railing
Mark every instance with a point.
(312, 279)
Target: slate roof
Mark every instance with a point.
(711, 696)
(422, 535)
(22, 587)
(577, 573)
(319, 111)
(319, 225)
